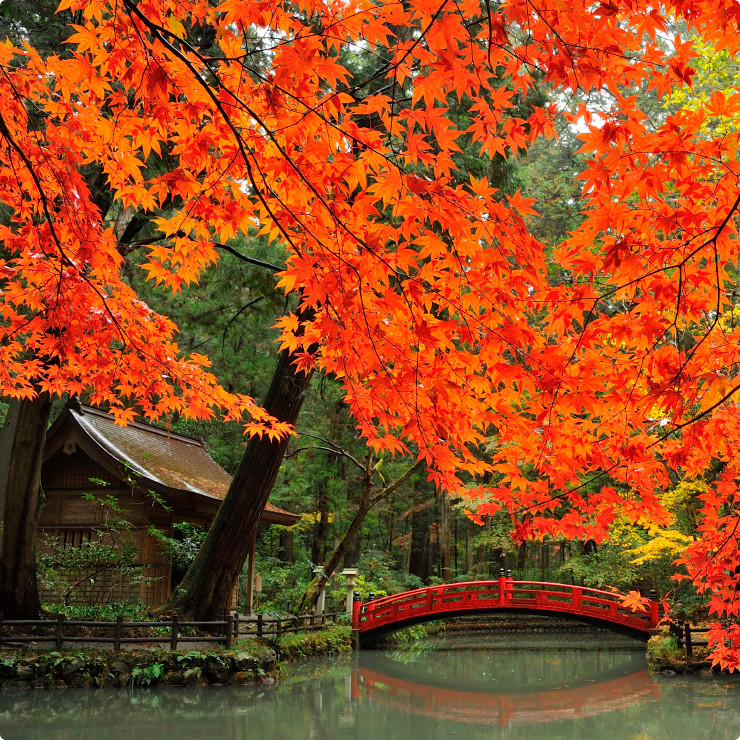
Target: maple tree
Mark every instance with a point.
(428, 297)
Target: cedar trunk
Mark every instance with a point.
(205, 590)
(445, 537)
(420, 556)
(21, 454)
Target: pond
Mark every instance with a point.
(480, 686)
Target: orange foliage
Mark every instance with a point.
(434, 304)
(635, 602)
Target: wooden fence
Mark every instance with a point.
(170, 632)
(685, 636)
(262, 626)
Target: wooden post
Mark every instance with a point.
(175, 630)
(1, 629)
(117, 632)
(259, 625)
(60, 630)
(501, 586)
(277, 627)
(229, 631)
(250, 577)
(687, 639)
(654, 608)
(356, 605)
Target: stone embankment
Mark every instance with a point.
(667, 657)
(249, 663)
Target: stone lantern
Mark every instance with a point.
(350, 575)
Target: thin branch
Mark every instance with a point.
(245, 258)
(393, 485)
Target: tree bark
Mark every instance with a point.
(286, 546)
(445, 539)
(21, 454)
(205, 590)
(311, 595)
(321, 531)
(478, 562)
(521, 559)
(420, 550)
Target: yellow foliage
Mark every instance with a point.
(730, 319)
(685, 491)
(646, 541)
(716, 74)
(310, 518)
(663, 542)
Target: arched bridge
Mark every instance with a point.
(375, 619)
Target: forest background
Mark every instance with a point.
(416, 533)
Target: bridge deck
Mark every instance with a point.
(380, 617)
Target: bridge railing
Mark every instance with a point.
(581, 600)
(501, 594)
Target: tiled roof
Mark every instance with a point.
(160, 457)
(170, 459)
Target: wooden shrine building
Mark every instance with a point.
(87, 453)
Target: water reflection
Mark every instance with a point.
(467, 689)
(550, 686)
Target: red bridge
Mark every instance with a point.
(375, 619)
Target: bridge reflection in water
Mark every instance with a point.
(621, 681)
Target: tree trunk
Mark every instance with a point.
(21, 453)
(367, 501)
(419, 557)
(321, 532)
(445, 540)
(590, 547)
(468, 548)
(205, 590)
(545, 560)
(521, 559)
(352, 556)
(311, 595)
(478, 562)
(286, 548)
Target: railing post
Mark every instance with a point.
(577, 593)
(229, 631)
(356, 606)
(117, 633)
(677, 632)
(430, 599)
(259, 625)
(1, 628)
(501, 586)
(509, 585)
(277, 627)
(654, 608)
(60, 630)
(174, 631)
